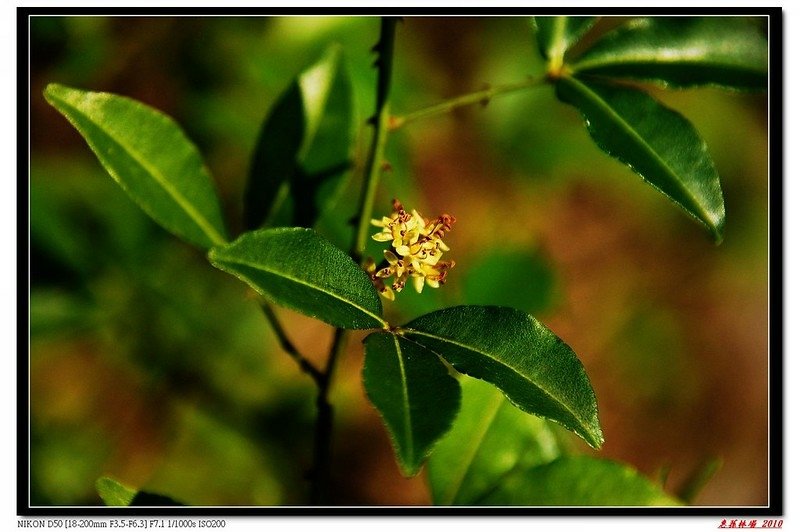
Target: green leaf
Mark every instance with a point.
(729, 52)
(555, 35)
(533, 367)
(114, 493)
(299, 269)
(656, 142)
(149, 156)
(414, 393)
(578, 481)
(304, 147)
(489, 439)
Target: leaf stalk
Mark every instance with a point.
(482, 97)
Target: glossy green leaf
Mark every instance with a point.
(555, 35)
(489, 439)
(414, 393)
(304, 148)
(148, 154)
(534, 368)
(578, 481)
(682, 52)
(656, 142)
(299, 269)
(114, 493)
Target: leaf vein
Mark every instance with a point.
(261, 267)
(502, 363)
(182, 202)
(406, 401)
(614, 116)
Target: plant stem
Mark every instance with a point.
(380, 121)
(323, 428)
(482, 96)
(289, 347)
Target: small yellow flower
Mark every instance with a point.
(418, 248)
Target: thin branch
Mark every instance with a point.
(290, 348)
(482, 97)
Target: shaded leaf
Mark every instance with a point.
(656, 142)
(299, 269)
(414, 393)
(555, 35)
(489, 438)
(303, 149)
(533, 367)
(729, 52)
(578, 481)
(148, 154)
(144, 498)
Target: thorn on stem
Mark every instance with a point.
(394, 122)
(485, 100)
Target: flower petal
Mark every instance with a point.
(382, 237)
(419, 284)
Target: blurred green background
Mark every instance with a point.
(148, 365)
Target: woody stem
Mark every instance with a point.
(323, 428)
(380, 122)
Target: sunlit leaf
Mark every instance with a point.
(304, 148)
(534, 368)
(555, 35)
(114, 493)
(729, 52)
(414, 393)
(656, 142)
(489, 438)
(299, 269)
(148, 154)
(578, 481)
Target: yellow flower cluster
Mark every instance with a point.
(417, 245)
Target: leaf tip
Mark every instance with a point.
(410, 469)
(718, 232)
(596, 440)
(114, 493)
(50, 91)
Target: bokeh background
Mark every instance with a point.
(148, 365)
